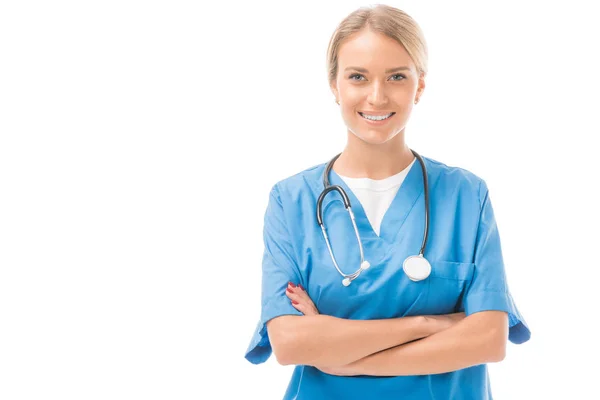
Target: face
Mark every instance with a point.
(365, 84)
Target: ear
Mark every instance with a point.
(421, 85)
(333, 87)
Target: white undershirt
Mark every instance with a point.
(376, 195)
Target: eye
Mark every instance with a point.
(350, 77)
(360, 75)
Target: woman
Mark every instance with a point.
(407, 324)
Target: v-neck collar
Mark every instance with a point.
(393, 219)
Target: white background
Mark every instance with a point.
(139, 142)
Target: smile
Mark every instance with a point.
(376, 117)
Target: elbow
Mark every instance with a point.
(283, 351)
(494, 325)
(501, 351)
(498, 355)
(497, 346)
(281, 336)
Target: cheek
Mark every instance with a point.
(350, 115)
(350, 92)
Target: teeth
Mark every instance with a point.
(376, 117)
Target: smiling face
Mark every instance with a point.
(376, 76)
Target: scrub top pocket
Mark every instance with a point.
(446, 287)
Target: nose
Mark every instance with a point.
(377, 96)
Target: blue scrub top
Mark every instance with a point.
(463, 249)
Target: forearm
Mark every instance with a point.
(326, 341)
(465, 344)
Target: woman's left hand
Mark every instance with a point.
(300, 299)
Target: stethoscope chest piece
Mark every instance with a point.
(417, 268)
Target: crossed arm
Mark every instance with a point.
(477, 339)
(391, 347)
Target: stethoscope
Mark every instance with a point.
(417, 268)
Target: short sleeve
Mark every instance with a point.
(488, 289)
(279, 267)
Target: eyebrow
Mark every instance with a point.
(387, 71)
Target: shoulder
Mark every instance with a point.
(457, 178)
(301, 183)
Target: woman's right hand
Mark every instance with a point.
(441, 322)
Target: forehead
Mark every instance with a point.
(373, 51)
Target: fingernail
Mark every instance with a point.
(292, 285)
(289, 290)
(294, 302)
(300, 286)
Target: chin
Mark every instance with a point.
(373, 136)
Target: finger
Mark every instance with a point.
(306, 305)
(292, 294)
(295, 297)
(300, 291)
(300, 307)
(297, 289)
(303, 299)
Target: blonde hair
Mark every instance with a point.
(384, 19)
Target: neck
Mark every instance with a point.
(375, 161)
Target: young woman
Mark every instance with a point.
(383, 275)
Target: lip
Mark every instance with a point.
(376, 113)
(371, 122)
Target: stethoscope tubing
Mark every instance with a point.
(329, 188)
